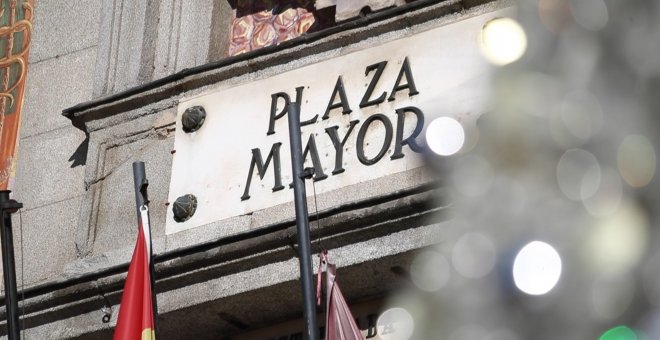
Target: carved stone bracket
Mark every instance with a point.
(107, 134)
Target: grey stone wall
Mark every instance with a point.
(145, 40)
(49, 170)
(80, 51)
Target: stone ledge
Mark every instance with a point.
(206, 263)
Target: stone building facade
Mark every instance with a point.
(122, 73)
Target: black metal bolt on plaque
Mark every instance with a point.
(184, 207)
(193, 118)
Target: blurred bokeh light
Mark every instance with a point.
(619, 333)
(566, 153)
(430, 271)
(537, 268)
(503, 41)
(636, 160)
(395, 324)
(473, 255)
(445, 136)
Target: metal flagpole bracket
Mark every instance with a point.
(141, 184)
(7, 207)
(307, 173)
(107, 306)
(10, 206)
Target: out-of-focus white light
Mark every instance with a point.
(650, 325)
(576, 119)
(468, 332)
(553, 14)
(650, 278)
(502, 334)
(612, 294)
(537, 268)
(472, 176)
(430, 271)
(473, 255)
(503, 41)
(514, 195)
(528, 92)
(590, 14)
(445, 136)
(581, 114)
(608, 197)
(395, 324)
(617, 242)
(636, 160)
(578, 174)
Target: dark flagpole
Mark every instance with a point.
(302, 223)
(8, 207)
(141, 198)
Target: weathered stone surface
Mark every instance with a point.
(167, 38)
(120, 45)
(124, 131)
(63, 27)
(47, 242)
(194, 33)
(274, 284)
(116, 222)
(220, 31)
(184, 34)
(141, 41)
(44, 172)
(296, 54)
(53, 85)
(238, 262)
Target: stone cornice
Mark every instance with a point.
(344, 34)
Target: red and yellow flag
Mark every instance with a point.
(136, 316)
(15, 37)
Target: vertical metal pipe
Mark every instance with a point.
(140, 182)
(7, 207)
(141, 198)
(302, 223)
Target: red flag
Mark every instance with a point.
(339, 322)
(136, 318)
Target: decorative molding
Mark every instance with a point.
(103, 137)
(120, 49)
(265, 28)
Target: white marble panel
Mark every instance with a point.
(213, 163)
